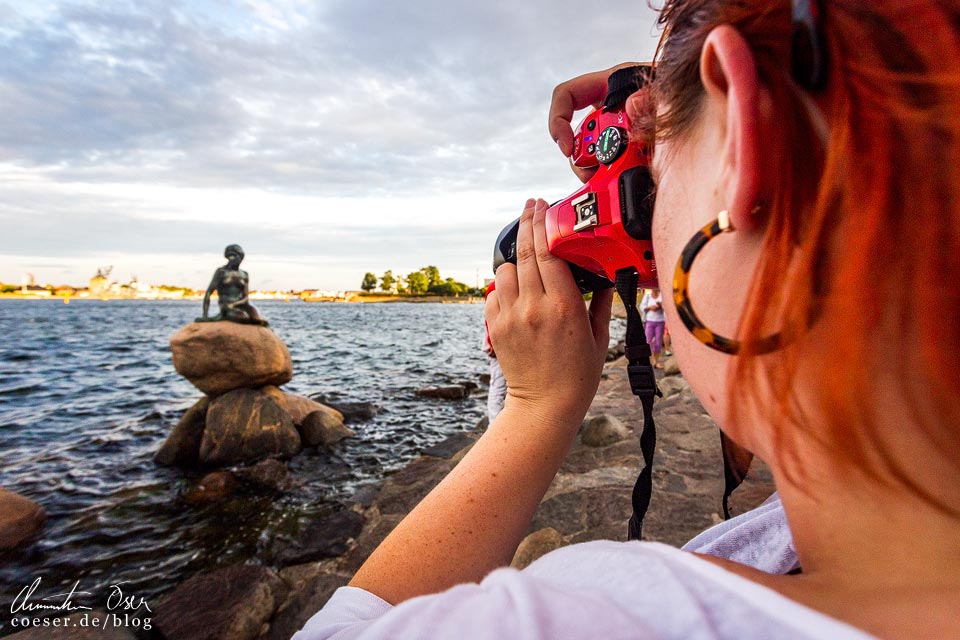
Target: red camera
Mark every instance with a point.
(603, 227)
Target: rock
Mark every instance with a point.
(536, 544)
(322, 428)
(217, 357)
(672, 385)
(299, 407)
(212, 487)
(311, 585)
(232, 603)
(245, 426)
(451, 446)
(616, 351)
(470, 385)
(20, 519)
(267, 474)
(85, 625)
(485, 379)
(670, 366)
(449, 392)
(326, 538)
(182, 446)
(602, 431)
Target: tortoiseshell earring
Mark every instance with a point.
(681, 294)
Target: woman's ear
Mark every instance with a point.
(733, 98)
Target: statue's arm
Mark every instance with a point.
(246, 289)
(214, 283)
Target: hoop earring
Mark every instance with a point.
(681, 295)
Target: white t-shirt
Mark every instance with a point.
(608, 590)
(649, 300)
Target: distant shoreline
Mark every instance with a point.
(385, 299)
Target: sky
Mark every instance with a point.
(327, 137)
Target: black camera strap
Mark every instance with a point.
(643, 383)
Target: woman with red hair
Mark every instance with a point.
(815, 147)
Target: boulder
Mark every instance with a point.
(672, 385)
(325, 538)
(485, 379)
(232, 603)
(536, 544)
(213, 487)
(448, 392)
(602, 431)
(182, 446)
(670, 366)
(268, 474)
(351, 411)
(20, 519)
(246, 426)
(299, 407)
(217, 357)
(311, 585)
(469, 384)
(322, 428)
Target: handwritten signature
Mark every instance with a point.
(116, 600)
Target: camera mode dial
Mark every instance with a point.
(612, 143)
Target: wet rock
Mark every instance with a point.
(322, 428)
(182, 446)
(616, 351)
(485, 379)
(299, 407)
(670, 366)
(217, 357)
(246, 426)
(232, 603)
(310, 586)
(536, 544)
(268, 474)
(448, 392)
(352, 411)
(212, 487)
(602, 431)
(326, 538)
(469, 385)
(451, 446)
(20, 519)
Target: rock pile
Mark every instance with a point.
(244, 416)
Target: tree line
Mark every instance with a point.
(426, 281)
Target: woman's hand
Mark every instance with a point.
(550, 348)
(588, 90)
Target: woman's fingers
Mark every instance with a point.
(570, 96)
(528, 271)
(554, 272)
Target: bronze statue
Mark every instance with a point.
(232, 287)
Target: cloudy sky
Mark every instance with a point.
(328, 137)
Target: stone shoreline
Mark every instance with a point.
(588, 500)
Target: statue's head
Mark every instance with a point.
(233, 251)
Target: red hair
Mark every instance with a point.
(866, 223)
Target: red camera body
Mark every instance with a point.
(604, 227)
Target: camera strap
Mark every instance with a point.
(643, 384)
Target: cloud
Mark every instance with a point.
(340, 99)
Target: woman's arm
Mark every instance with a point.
(551, 351)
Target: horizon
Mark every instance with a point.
(327, 138)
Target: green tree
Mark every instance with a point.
(433, 276)
(401, 285)
(387, 281)
(369, 282)
(417, 282)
